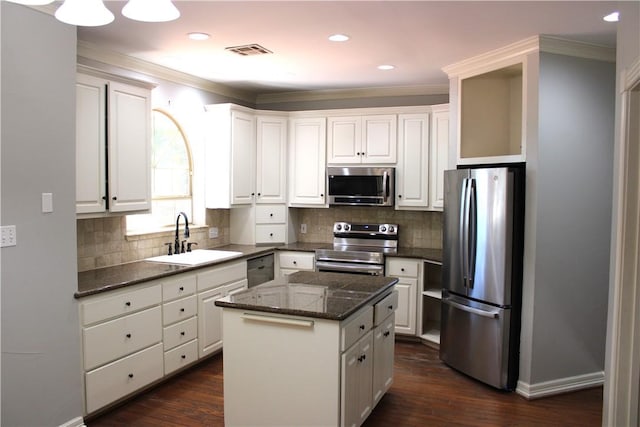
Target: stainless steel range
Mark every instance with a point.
(358, 248)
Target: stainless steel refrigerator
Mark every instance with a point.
(482, 273)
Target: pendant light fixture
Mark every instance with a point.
(151, 10)
(85, 13)
(31, 2)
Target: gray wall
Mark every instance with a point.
(568, 217)
(573, 215)
(41, 369)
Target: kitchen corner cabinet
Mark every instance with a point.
(113, 146)
(230, 157)
(307, 168)
(409, 274)
(362, 139)
(429, 308)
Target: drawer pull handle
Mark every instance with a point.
(182, 333)
(128, 335)
(182, 310)
(130, 375)
(181, 288)
(362, 327)
(128, 303)
(271, 215)
(402, 269)
(295, 262)
(270, 234)
(184, 356)
(386, 334)
(390, 307)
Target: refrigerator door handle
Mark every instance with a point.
(472, 232)
(472, 310)
(464, 231)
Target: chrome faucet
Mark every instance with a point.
(186, 232)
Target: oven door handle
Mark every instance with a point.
(341, 267)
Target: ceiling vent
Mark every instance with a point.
(248, 50)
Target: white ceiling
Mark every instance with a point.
(418, 37)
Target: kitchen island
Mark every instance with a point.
(309, 349)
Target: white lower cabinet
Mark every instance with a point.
(409, 273)
(134, 336)
(292, 261)
(118, 379)
(357, 379)
(215, 283)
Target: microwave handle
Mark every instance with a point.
(385, 185)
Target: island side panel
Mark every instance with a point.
(278, 374)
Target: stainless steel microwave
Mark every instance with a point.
(361, 186)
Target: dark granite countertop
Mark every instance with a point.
(333, 296)
(109, 278)
(118, 276)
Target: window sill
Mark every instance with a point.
(170, 232)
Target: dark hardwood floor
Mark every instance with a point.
(425, 393)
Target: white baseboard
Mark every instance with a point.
(562, 385)
(76, 422)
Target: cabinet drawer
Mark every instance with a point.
(120, 304)
(385, 308)
(180, 333)
(270, 233)
(403, 267)
(111, 340)
(271, 214)
(178, 310)
(180, 357)
(222, 275)
(357, 327)
(118, 379)
(297, 260)
(181, 286)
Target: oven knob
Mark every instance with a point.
(338, 227)
(391, 228)
(383, 228)
(346, 227)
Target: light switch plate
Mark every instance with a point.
(9, 236)
(303, 228)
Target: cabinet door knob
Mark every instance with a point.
(402, 269)
(182, 333)
(130, 375)
(386, 334)
(270, 234)
(271, 215)
(128, 303)
(259, 194)
(114, 198)
(362, 327)
(399, 196)
(184, 356)
(390, 307)
(182, 310)
(128, 335)
(295, 262)
(181, 288)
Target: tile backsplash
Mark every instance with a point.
(417, 229)
(102, 242)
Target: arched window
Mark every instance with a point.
(171, 173)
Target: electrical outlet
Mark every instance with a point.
(9, 237)
(303, 228)
(213, 232)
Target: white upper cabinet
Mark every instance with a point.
(112, 146)
(230, 157)
(438, 154)
(307, 155)
(362, 139)
(423, 144)
(271, 159)
(412, 172)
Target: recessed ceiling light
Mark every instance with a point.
(612, 17)
(338, 38)
(386, 67)
(198, 36)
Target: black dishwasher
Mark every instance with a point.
(260, 270)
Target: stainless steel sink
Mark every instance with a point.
(196, 257)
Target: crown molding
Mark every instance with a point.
(93, 52)
(339, 94)
(540, 43)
